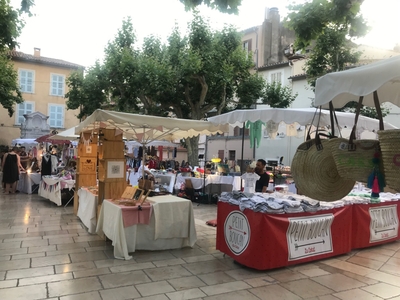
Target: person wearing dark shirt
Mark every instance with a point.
(263, 182)
(24, 157)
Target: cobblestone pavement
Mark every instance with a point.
(46, 253)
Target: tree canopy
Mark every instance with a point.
(11, 24)
(187, 77)
(225, 6)
(326, 28)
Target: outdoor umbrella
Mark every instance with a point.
(48, 138)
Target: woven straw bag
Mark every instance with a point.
(315, 174)
(354, 158)
(390, 147)
(357, 164)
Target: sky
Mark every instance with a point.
(78, 30)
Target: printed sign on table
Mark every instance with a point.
(237, 232)
(384, 223)
(309, 236)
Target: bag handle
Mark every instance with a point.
(308, 137)
(352, 146)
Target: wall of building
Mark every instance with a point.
(40, 96)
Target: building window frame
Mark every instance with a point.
(22, 109)
(23, 79)
(232, 154)
(276, 76)
(53, 118)
(57, 85)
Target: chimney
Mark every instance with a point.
(36, 52)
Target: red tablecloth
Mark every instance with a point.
(265, 241)
(132, 215)
(375, 224)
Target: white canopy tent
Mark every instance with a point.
(68, 134)
(146, 129)
(302, 116)
(345, 86)
(24, 142)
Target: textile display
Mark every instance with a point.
(171, 227)
(255, 239)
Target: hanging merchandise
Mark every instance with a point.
(174, 153)
(255, 132)
(291, 130)
(160, 153)
(272, 129)
(148, 151)
(140, 153)
(376, 181)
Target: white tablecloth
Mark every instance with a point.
(50, 188)
(210, 179)
(87, 209)
(26, 180)
(171, 227)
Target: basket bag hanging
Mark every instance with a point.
(314, 171)
(389, 141)
(355, 158)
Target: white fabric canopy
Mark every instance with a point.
(24, 142)
(146, 129)
(345, 86)
(68, 134)
(303, 116)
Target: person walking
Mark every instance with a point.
(11, 166)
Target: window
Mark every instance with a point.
(26, 81)
(238, 131)
(26, 107)
(232, 155)
(57, 85)
(56, 115)
(247, 45)
(277, 77)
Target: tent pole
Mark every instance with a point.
(241, 163)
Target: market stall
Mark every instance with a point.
(28, 182)
(171, 223)
(271, 234)
(50, 188)
(87, 210)
(369, 85)
(166, 223)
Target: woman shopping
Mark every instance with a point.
(11, 166)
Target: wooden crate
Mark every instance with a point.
(86, 165)
(111, 190)
(109, 135)
(87, 151)
(113, 149)
(117, 173)
(85, 180)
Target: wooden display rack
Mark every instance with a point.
(86, 166)
(112, 166)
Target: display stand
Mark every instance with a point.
(112, 165)
(86, 166)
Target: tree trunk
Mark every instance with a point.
(193, 150)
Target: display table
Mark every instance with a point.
(213, 184)
(265, 241)
(50, 188)
(171, 226)
(374, 224)
(27, 180)
(87, 209)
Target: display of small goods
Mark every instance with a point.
(93, 189)
(66, 175)
(136, 197)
